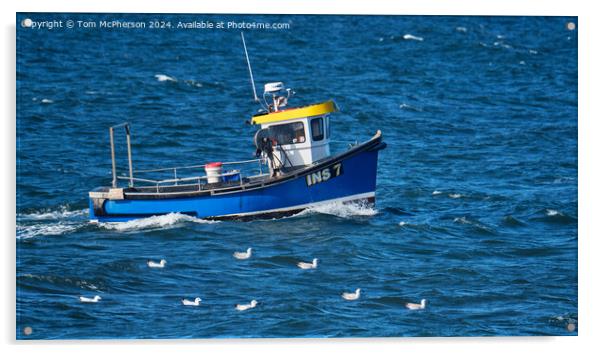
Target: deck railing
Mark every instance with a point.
(198, 180)
(176, 180)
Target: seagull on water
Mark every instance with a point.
(351, 296)
(243, 255)
(90, 300)
(187, 302)
(153, 264)
(308, 265)
(414, 306)
(243, 307)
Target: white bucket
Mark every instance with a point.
(213, 171)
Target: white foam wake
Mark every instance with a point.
(42, 229)
(162, 78)
(152, 222)
(62, 212)
(343, 210)
(50, 221)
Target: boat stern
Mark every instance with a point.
(97, 199)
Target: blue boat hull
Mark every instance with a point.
(345, 178)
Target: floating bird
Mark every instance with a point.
(90, 300)
(414, 306)
(187, 302)
(153, 264)
(243, 255)
(352, 296)
(308, 265)
(243, 307)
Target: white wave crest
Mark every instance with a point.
(455, 196)
(409, 107)
(462, 220)
(412, 37)
(552, 213)
(42, 229)
(461, 29)
(47, 101)
(62, 212)
(162, 78)
(343, 210)
(152, 222)
(475, 223)
(436, 192)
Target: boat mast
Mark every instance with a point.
(249, 66)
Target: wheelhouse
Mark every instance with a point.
(299, 136)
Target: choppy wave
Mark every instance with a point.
(41, 229)
(550, 215)
(343, 210)
(58, 221)
(63, 212)
(474, 223)
(511, 221)
(163, 78)
(409, 107)
(59, 281)
(194, 83)
(412, 37)
(153, 222)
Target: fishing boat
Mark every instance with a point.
(293, 170)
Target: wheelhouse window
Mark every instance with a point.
(317, 129)
(287, 134)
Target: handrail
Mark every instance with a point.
(198, 166)
(138, 179)
(175, 180)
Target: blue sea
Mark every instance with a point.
(476, 200)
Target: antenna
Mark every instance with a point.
(249, 65)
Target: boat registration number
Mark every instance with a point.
(324, 174)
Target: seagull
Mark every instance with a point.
(187, 302)
(243, 307)
(308, 265)
(352, 296)
(153, 264)
(90, 300)
(243, 255)
(414, 306)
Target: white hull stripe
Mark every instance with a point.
(303, 206)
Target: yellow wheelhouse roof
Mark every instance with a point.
(294, 113)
